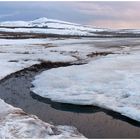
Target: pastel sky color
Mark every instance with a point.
(100, 14)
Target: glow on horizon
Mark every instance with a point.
(100, 14)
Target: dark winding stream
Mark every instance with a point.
(93, 122)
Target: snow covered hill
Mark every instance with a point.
(48, 26)
(61, 28)
(47, 23)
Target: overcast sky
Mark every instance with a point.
(99, 14)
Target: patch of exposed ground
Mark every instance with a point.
(93, 54)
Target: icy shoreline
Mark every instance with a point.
(111, 82)
(16, 55)
(15, 123)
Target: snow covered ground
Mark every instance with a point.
(15, 123)
(110, 82)
(19, 54)
(110, 79)
(48, 31)
(100, 75)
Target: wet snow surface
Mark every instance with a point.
(109, 79)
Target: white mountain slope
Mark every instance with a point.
(48, 26)
(58, 27)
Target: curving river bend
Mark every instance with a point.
(93, 122)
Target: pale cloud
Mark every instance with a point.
(110, 9)
(102, 14)
(92, 8)
(111, 14)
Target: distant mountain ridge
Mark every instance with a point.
(58, 27)
(40, 22)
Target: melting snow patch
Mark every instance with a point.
(14, 123)
(111, 82)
